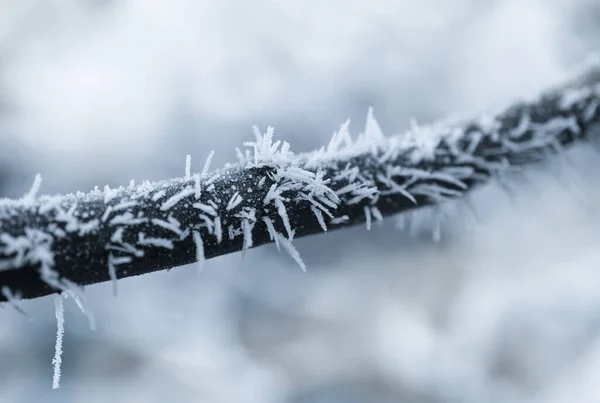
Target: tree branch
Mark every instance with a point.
(51, 243)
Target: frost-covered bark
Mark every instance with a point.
(52, 243)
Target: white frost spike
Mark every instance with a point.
(59, 311)
(207, 163)
(78, 301)
(339, 220)
(113, 262)
(375, 212)
(425, 141)
(158, 242)
(213, 178)
(291, 249)
(87, 227)
(235, 200)
(316, 204)
(208, 209)
(367, 211)
(117, 236)
(340, 140)
(188, 167)
(112, 272)
(127, 219)
(124, 205)
(247, 227)
(240, 156)
(35, 188)
(173, 200)
(171, 225)
(267, 152)
(197, 188)
(199, 250)
(373, 132)
(363, 193)
(271, 230)
(207, 222)
(184, 234)
(34, 247)
(218, 230)
(319, 214)
(158, 195)
(13, 300)
(284, 217)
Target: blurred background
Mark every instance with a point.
(505, 309)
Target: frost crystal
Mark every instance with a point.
(208, 209)
(291, 250)
(207, 163)
(159, 195)
(199, 250)
(319, 214)
(188, 167)
(171, 225)
(235, 201)
(271, 229)
(218, 229)
(13, 300)
(60, 330)
(339, 220)
(173, 200)
(158, 242)
(367, 211)
(29, 198)
(82, 308)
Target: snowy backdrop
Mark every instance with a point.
(505, 309)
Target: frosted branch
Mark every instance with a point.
(53, 243)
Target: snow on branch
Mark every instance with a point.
(50, 244)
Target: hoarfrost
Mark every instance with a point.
(29, 198)
(171, 225)
(367, 212)
(218, 231)
(271, 229)
(59, 311)
(291, 249)
(13, 300)
(188, 167)
(200, 258)
(339, 220)
(207, 163)
(176, 198)
(235, 200)
(319, 216)
(80, 304)
(158, 242)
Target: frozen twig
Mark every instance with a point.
(273, 195)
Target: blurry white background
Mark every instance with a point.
(506, 309)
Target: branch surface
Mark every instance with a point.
(52, 243)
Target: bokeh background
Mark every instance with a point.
(505, 309)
